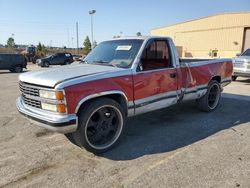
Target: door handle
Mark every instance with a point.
(172, 75)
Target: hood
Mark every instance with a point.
(45, 58)
(42, 59)
(52, 76)
(242, 59)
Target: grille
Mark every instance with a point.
(239, 65)
(31, 102)
(29, 90)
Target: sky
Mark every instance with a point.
(53, 22)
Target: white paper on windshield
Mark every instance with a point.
(126, 48)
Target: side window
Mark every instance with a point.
(246, 53)
(156, 56)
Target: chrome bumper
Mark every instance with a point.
(243, 72)
(53, 122)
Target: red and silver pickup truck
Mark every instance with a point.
(90, 101)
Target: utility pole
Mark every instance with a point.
(68, 37)
(77, 42)
(91, 13)
(72, 42)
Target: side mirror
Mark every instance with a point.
(238, 54)
(139, 67)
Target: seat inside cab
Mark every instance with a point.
(156, 56)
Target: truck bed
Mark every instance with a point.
(193, 60)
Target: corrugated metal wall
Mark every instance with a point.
(198, 38)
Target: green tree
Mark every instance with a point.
(87, 45)
(44, 49)
(116, 36)
(94, 44)
(10, 42)
(39, 47)
(138, 34)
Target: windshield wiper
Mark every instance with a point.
(100, 61)
(105, 63)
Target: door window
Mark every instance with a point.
(156, 56)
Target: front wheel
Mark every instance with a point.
(46, 64)
(234, 78)
(100, 125)
(209, 102)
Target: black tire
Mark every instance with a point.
(11, 70)
(210, 101)
(234, 78)
(67, 63)
(100, 125)
(18, 69)
(70, 137)
(46, 64)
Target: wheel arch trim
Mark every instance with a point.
(216, 77)
(101, 94)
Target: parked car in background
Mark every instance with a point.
(12, 62)
(56, 59)
(119, 78)
(241, 65)
(77, 57)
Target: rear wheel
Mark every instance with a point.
(100, 125)
(234, 78)
(18, 69)
(210, 100)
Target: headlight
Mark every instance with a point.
(50, 107)
(58, 95)
(57, 98)
(54, 107)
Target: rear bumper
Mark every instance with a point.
(53, 122)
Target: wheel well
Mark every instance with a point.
(16, 65)
(217, 78)
(120, 99)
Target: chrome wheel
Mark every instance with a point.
(103, 127)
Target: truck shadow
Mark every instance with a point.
(176, 127)
(8, 72)
(246, 80)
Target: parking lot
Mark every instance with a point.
(174, 147)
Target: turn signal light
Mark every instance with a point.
(59, 95)
(61, 108)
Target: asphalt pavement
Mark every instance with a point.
(178, 146)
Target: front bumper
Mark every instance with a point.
(241, 72)
(48, 120)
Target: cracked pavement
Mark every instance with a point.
(174, 147)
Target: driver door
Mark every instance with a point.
(155, 81)
(55, 59)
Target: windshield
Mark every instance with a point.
(119, 53)
(246, 53)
